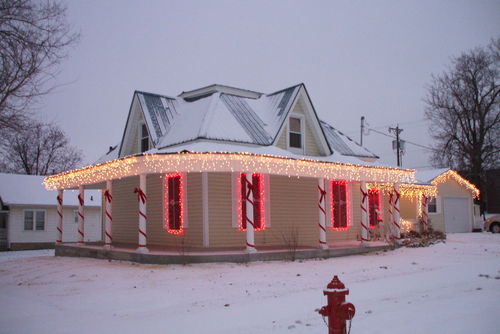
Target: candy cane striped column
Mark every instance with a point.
(424, 213)
(391, 215)
(141, 198)
(60, 216)
(108, 211)
(249, 215)
(322, 214)
(81, 214)
(365, 234)
(396, 221)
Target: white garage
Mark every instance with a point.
(452, 210)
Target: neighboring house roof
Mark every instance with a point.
(17, 189)
(231, 115)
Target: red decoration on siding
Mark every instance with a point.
(173, 203)
(375, 211)
(339, 205)
(258, 191)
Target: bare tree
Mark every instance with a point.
(463, 107)
(40, 149)
(34, 39)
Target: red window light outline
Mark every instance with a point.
(346, 213)
(259, 196)
(374, 207)
(171, 201)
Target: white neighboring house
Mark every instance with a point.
(453, 210)
(28, 213)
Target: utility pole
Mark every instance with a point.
(362, 129)
(397, 131)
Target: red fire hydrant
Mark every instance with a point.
(337, 310)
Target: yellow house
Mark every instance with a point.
(226, 168)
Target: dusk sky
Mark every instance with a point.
(371, 58)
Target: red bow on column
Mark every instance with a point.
(141, 196)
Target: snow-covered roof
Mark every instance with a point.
(17, 189)
(427, 175)
(230, 115)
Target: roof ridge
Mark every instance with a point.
(207, 118)
(148, 93)
(282, 90)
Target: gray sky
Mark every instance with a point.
(371, 58)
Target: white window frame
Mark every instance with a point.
(141, 137)
(302, 134)
(34, 219)
(438, 206)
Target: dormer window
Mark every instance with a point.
(295, 133)
(144, 137)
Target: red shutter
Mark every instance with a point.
(373, 204)
(243, 201)
(343, 205)
(339, 204)
(174, 203)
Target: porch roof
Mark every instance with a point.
(257, 159)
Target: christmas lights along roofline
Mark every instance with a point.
(185, 161)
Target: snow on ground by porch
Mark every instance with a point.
(447, 288)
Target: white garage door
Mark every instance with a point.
(456, 215)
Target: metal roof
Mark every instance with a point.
(247, 118)
(343, 144)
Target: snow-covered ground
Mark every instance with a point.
(447, 288)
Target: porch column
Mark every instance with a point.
(391, 216)
(81, 214)
(424, 213)
(322, 214)
(141, 198)
(365, 234)
(108, 210)
(204, 201)
(249, 214)
(60, 216)
(396, 217)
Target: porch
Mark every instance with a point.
(173, 255)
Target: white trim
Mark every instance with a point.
(204, 200)
(34, 219)
(140, 136)
(236, 198)
(438, 206)
(267, 200)
(302, 118)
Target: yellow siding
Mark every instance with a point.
(408, 208)
(282, 140)
(221, 232)
(125, 216)
(311, 146)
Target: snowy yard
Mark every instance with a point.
(447, 288)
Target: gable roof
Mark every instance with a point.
(428, 175)
(437, 176)
(17, 189)
(228, 114)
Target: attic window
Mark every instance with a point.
(295, 132)
(144, 137)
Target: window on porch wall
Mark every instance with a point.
(173, 203)
(374, 207)
(339, 205)
(258, 201)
